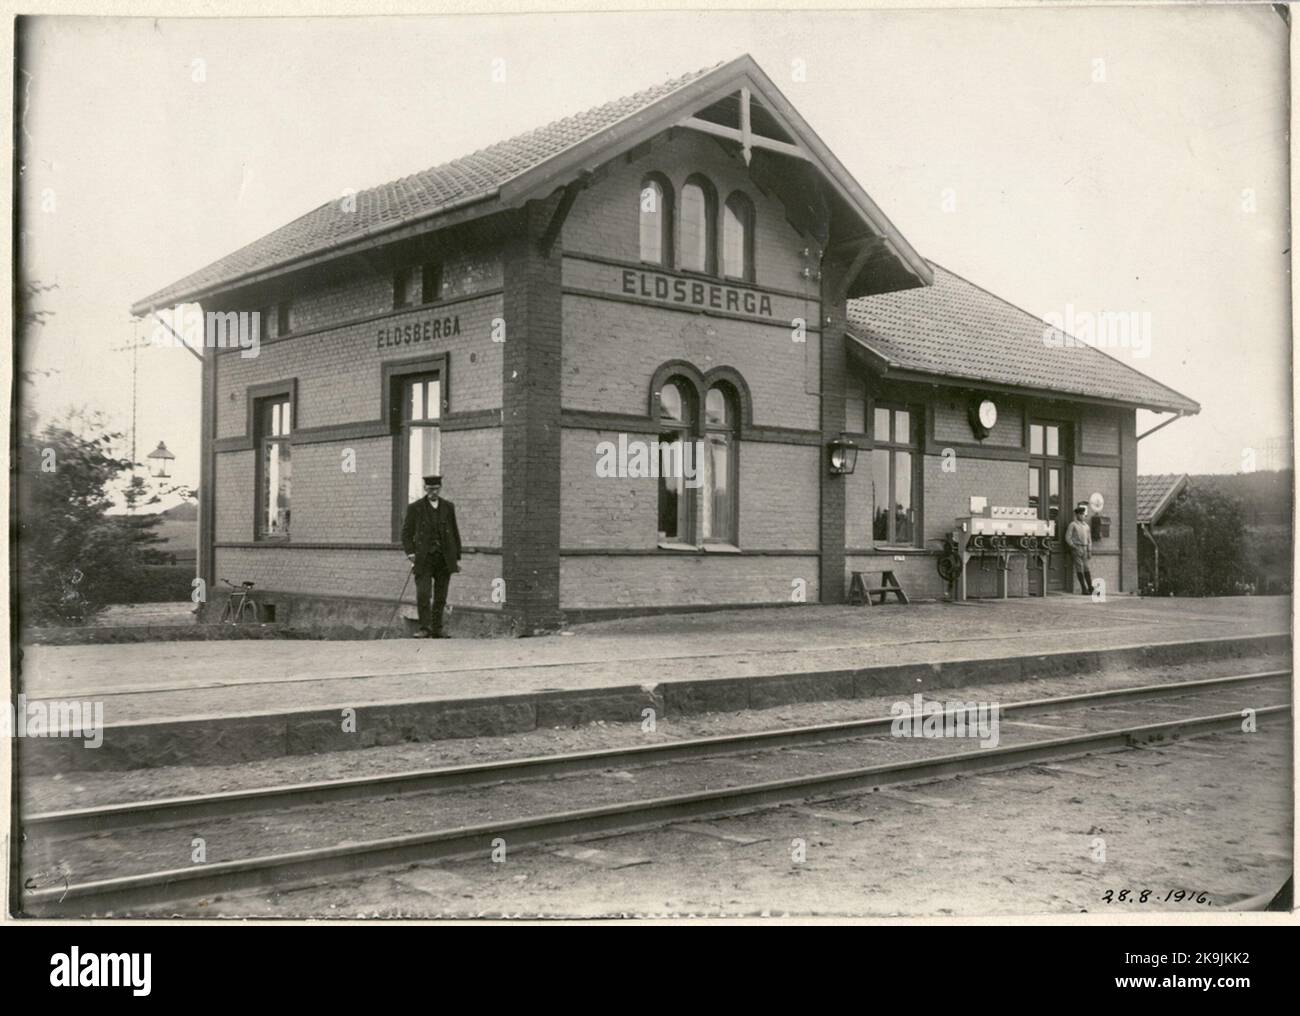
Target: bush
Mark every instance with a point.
(1204, 550)
(154, 583)
(73, 557)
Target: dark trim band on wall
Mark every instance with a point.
(340, 432)
(1003, 454)
(302, 545)
(371, 318)
(589, 419)
(892, 552)
(1099, 461)
(684, 552)
(781, 435)
(477, 419)
(601, 259)
(243, 443)
(594, 294)
(364, 430)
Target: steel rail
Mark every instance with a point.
(309, 866)
(133, 814)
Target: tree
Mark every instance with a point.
(63, 479)
(1203, 545)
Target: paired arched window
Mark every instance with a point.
(738, 237)
(692, 222)
(698, 502)
(718, 521)
(698, 227)
(656, 215)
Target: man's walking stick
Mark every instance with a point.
(398, 605)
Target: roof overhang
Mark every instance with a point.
(879, 362)
(881, 258)
(862, 226)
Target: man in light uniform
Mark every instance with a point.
(1079, 538)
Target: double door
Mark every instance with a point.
(1049, 494)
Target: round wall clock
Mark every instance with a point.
(983, 416)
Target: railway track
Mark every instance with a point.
(429, 791)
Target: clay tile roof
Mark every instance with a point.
(422, 195)
(955, 329)
(1156, 493)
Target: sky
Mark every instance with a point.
(1073, 161)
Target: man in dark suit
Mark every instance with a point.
(432, 544)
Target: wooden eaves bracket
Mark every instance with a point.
(745, 136)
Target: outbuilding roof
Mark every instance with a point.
(955, 329)
(1155, 494)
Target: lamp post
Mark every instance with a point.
(160, 456)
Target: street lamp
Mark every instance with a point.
(160, 456)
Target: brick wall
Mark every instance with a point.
(531, 477)
(947, 495)
(951, 423)
(234, 496)
(1100, 433)
(361, 573)
(604, 512)
(589, 582)
(605, 218)
(611, 351)
(339, 370)
(608, 512)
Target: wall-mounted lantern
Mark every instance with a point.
(159, 457)
(843, 455)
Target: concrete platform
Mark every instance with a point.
(222, 702)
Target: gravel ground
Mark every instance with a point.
(1193, 816)
(86, 789)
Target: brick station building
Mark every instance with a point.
(688, 263)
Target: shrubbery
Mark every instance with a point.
(1204, 548)
(155, 583)
(73, 557)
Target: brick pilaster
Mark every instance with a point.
(530, 524)
(1128, 552)
(833, 367)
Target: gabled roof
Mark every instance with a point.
(955, 329)
(532, 165)
(1155, 494)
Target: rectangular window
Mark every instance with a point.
(274, 467)
(421, 434)
(404, 287)
(1045, 439)
(894, 478)
(431, 282)
(282, 318)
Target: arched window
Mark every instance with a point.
(656, 216)
(718, 491)
(738, 237)
(698, 231)
(675, 404)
